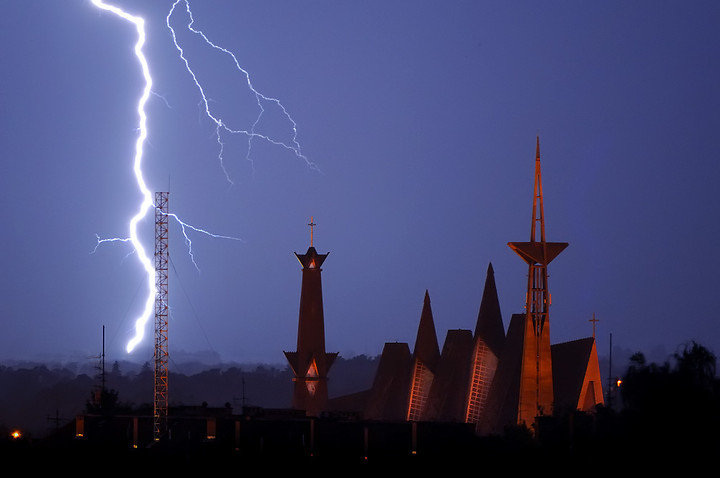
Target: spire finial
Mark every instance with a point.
(312, 230)
(537, 149)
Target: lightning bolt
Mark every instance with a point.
(220, 124)
(147, 201)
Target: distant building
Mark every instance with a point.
(488, 378)
(476, 378)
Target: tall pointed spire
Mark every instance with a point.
(536, 385)
(426, 343)
(426, 356)
(488, 342)
(310, 363)
(489, 324)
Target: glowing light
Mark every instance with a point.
(147, 202)
(220, 124)
(16, 434)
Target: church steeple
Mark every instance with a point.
(310, 363)
(536, 381)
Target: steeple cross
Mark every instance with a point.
(312, 230)
(594, 321)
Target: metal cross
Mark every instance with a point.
(312, 227)
(594, 321)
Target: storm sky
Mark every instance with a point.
(422, 119)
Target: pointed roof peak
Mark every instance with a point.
(490, 270)
(537, 149)
(489, 327)
(426, 343)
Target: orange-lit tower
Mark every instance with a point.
(536, 380)
(310, 363)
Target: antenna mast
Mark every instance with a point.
(160, 395)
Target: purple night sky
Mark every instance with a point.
(422, 117)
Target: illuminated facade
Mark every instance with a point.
(310, 363)
(576, 375)
(488, 341)
(426, 356)
(484, 364)
(490, 378)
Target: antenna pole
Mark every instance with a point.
(160, 392)
(609, 387)
(103, 364)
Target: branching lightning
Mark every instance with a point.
(147, 201)
(220, 124)
(221, 127)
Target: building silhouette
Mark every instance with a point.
(310, 363)
(490, 379)
(481, 382)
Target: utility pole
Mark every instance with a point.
(609, 386)
(102, 373)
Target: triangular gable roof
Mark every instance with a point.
(570, 362)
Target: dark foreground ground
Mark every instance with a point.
(592, 444)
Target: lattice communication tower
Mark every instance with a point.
(160, 399)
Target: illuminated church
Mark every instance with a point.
(488, 377)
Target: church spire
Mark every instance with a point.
(310, 363)
(536, 386)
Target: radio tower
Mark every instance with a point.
(536, 385)
(160, 395)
